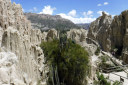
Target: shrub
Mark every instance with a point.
(101, 80)
(97, 52)
(104, 58)
(117, 83)
(68, 62)
(104, 65)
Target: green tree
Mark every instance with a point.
(67, 60)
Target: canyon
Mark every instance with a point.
(22, 59)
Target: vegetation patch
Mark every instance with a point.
(117, 83)
(101, 80)
(97, 52)
(68, 62)
(105, 64)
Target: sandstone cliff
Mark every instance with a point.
(119, 35)
(79, 35)
(99, 31)
(21, 58)
(111, 34)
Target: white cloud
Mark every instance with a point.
(72, 13)
(85, 14)
(100, 13)
(48, 10)
(113, 15)
(30, 10)
(23, 10)
(105, 3)
(34, 8)
(88, 13)
(85, 19)
(99, 5)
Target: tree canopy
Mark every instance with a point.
(67, 60)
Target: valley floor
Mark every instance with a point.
(121, 76)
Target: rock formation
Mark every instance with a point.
(99, 31)
(119, 35)
(79, 35)
(21, 58)
(111, 34)
(51, 34)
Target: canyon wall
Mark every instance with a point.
(111, 33)
(21, 58)
(100, 30)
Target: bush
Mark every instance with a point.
(101, 80)
(117, 83)
(104, 58)
(68, 62)
(104, 65)
(97, 52)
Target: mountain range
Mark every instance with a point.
(45, 22)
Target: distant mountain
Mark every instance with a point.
(45, 22)
(85, 26)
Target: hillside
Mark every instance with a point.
(45, 22)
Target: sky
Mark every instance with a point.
(78, 11)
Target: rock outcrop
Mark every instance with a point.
(21, 58)
(100, 30)
(119, 35)
(111, 34)
(79, 35)
(52, 34)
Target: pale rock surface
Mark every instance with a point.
(21, 58)
(80, 37)
(44, 34)
(114, 77)
(99, 31)
(119, 34)
(51, 34)
(1, 33)
(111, 34)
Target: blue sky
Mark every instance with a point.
(78, 11)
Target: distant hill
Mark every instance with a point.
(45, 22)
(85, 26)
